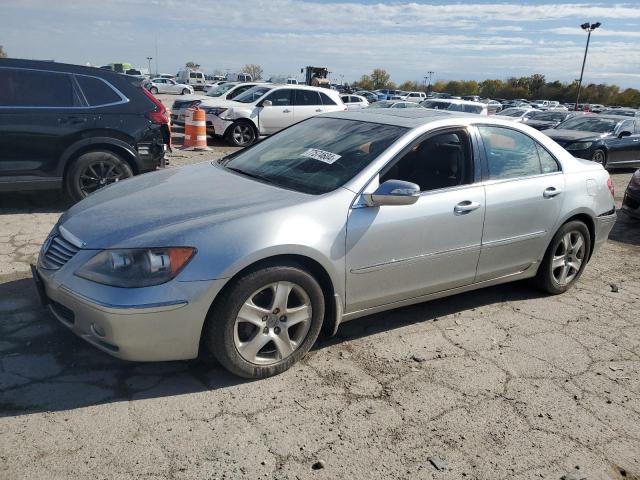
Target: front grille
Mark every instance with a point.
(59, 252)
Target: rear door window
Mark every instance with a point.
(510, 154)
(36, 88)
(307, 97)
(97, 92)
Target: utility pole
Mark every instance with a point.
(430, 73)
(149, 61)
(587, 28)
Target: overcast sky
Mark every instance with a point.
(457, 40)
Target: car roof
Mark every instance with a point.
(613, 117)
(59, 67)
(399, 117)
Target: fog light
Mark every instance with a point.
(98, 330)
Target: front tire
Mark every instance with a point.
(565, 259)
(185, 91)
(241, 134)
(93, 170)
(154, 90)
(266, 321)
(599, 156)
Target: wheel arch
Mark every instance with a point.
(243, 120)
(119, 147)
(590, 223)
(333, 308)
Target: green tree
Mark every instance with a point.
(3, 54)
(192, 64)
(254, 70)
(536, 82)
(365, 83)
(409, 86)
(380, 78)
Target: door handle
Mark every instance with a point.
(71, 120)
(551, 192)
(465, 207)
(286, 111)
(319, 110)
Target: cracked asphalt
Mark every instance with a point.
(501, 383)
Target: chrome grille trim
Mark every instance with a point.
(62, 247)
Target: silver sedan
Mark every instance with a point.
(334, 218)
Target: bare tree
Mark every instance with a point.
(254, 70)
(192, 65)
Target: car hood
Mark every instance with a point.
(168, 203)
(560, 135)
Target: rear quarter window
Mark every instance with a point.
(97, 92)
(326, 100)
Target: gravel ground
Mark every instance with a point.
(502, 383)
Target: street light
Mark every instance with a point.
(430, 73)
(149, 60)
(588, 28)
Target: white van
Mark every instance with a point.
(239, 77)
(195, 78)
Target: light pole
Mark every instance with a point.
(588, 28)
(149, 61)
(430, 73)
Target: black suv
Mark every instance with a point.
(79, 128)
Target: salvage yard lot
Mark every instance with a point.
(500, 383)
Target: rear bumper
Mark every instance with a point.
(603, 226)
(631, 204)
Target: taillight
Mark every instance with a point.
(611, 188)
(160, 115)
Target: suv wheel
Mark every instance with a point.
(241, 134)
(94, 170)
(565, 259)
(266, 321)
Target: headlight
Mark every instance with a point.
(214, 110)
(195, 103)
(140, 267)
(579, 146)
(635, 179)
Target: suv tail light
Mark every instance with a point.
(160, 114)
(611, 187)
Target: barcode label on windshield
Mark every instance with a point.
(326, 157)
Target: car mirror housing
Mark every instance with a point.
(393, 192)
(624, 133)
(267, 103)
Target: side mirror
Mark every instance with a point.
(267, 103)
(393, 192)
(624, 133)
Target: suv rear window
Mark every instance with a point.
(35, 88)
(97, 92)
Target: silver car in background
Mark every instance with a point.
(334, 218)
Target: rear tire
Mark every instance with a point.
(565, 259)
(93, 170)
(241, 134)
(265, 321)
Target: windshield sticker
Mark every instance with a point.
(326, 157)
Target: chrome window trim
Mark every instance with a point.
(123, 98)
(517, 179)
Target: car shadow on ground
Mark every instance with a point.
(626, 229)
(43, 201)
(45, 367)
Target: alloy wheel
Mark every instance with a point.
(100, 174)
(599, 157)
(272, 323)
(242, 134)
(568, 258)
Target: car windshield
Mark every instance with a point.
(382, 104)
(220, 89)
(549, 116)
(461, 107)
(512, 112)
(589, 124)
(626, 113)
(317, 155)
(252, 94)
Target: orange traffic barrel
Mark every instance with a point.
(195, 130)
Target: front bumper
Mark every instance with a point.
(631, 203)
(142, 324)
(216, 125)
(603, 226)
